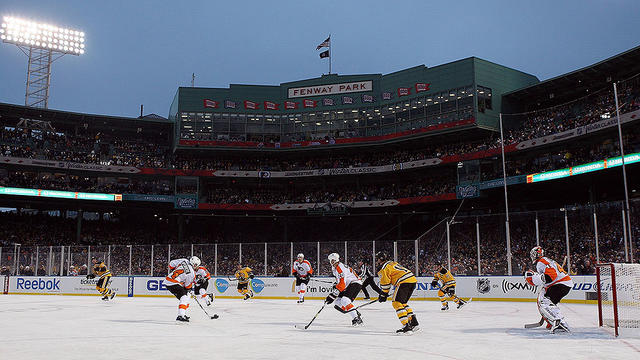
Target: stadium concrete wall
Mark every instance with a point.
(490, 288)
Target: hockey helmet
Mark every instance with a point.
(194, 261)
(536, 253)
(333, 258)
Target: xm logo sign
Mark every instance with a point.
(508, 286)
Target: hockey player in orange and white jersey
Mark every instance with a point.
(347, 287)
(555, 283)
(302, 271)
(201, 282)
(179, 282)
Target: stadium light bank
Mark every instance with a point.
(43, 44)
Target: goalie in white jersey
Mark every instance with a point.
(302, 271)
(555, 283)
(179, 282)
(347, 287)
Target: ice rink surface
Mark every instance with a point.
(83, 327)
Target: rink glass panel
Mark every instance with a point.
(464, 249)
(523, 239)
(278, 259)
(26, 259)
(141, 260)
(610, 234)
(432, 248)
(360, 251)
(581, 241)
(207, 255)
(160, 260)
(310, 252)
(180, 251)
(406, 253)
(78, 258)
(493, 245)
(253, 257)
(385, 246)
(327, 248)
(119, 260)
(228, 259)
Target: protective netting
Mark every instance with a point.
(619, 292)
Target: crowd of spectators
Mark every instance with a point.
(48, 244)
(97, 148)
(68, 182)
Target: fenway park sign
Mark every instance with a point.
(331, 89)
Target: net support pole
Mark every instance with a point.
(506, 200)
(373, 257)
(624, 236)
(566, 236)
(599, 283)
(448, 246)
(478, 244)
(615, 298)
(624, 173)
(395, 251)
(415, 255)
(537, 231)
(346, 258)
(595, 235)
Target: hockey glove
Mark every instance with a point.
(330, 298)
(91, 276)
(434, 283)
(383, 297)
(251, 276)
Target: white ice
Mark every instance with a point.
(69, 327)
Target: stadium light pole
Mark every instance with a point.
(624, 174)
(43, 44)
(506, 200)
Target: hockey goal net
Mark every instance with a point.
(619, 296)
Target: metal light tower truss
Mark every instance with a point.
(43, 44)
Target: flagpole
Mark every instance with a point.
(329, 54)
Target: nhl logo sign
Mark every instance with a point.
(484, 285)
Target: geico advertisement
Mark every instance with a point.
(61, 285)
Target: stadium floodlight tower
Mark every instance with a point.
(43, 44)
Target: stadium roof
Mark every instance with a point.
(578, 82)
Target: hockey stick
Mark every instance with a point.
(215, 316)
(365, 304)
(535, 325)
(322, 281)
(314, 317)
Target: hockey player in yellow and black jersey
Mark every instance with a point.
(447, 289)
(100, 269)
(244, 275)
(393, 274)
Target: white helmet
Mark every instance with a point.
(194, 261)
(300, 256)
(333, 258)
(536, 253)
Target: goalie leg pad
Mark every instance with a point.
(548, 309)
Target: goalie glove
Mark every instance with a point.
(91, 276)
(330, 298)
(383, 297)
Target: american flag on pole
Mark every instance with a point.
(325, 43)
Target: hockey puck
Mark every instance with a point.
(215, 316)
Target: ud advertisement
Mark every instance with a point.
(496, 288)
